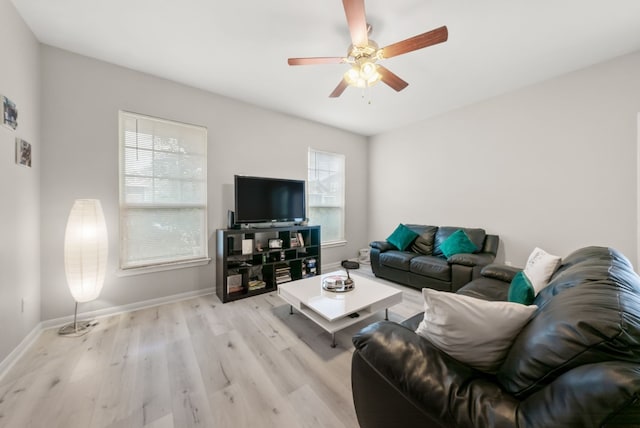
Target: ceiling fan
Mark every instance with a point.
(363, 54)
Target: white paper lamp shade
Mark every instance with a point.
(85, 250)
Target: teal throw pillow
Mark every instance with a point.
(458, 242)
(402, 237)
(521, 290)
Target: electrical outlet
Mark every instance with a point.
(22, 305)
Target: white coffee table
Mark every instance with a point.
(335, 311)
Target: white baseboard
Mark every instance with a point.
(330, 267)
(18, 352)
(114, 310)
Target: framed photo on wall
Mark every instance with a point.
(9, 113)
(23, 153)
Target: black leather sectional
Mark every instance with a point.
(422, 264)
(575, 364)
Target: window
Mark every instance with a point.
(163, 192)
(326, 194)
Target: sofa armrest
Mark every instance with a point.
(382, 246)
(500, 272)
(468, 259)
(393, 366)
(396, 351)
(602, 394)
(491, 244)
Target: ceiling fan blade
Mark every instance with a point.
(316, 60)
(420, 41)
(357, 21)
(391, 79)
(339, 89)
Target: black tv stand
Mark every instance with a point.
(259, 269)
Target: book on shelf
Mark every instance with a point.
(282, 273)
(234, 289)
(300, 239)
(283, 279)
(256, 285)
(234, 283)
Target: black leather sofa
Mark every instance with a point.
(422, 264)
(575, 364)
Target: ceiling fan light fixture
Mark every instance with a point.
(363, 53)
(362, 75)
(352, 75)
(368, 70)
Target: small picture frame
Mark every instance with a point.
(275, 243)
(23, 153)
(247, 246)
(9, 113)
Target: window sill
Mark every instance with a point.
(160, 268)
(331, 244)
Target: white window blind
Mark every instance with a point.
(326, 184)
(163, 192)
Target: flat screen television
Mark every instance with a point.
(263, 200)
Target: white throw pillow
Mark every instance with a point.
(476, 332)
(540, 266)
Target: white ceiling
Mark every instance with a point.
(240, 48)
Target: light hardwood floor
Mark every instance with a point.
(194, 363)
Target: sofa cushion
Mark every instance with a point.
(486, 289)
(539, 268)
(433, 267)
(397, 259)
(589, 313)
(475, 235)
(500, 272)
(521, 290)
(424, 243)
(474, 331)
(402, 237)
(457, 243)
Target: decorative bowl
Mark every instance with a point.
(338, 283)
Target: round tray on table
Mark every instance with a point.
(338, 283)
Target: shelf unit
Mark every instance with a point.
(247, 266)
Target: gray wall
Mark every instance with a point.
(551, 165)
(81, 99)
(19, 186)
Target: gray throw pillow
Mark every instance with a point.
(476, 332)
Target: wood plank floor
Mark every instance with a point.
(194, 363)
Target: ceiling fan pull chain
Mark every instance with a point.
(367, 90)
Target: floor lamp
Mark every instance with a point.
(85, 258)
